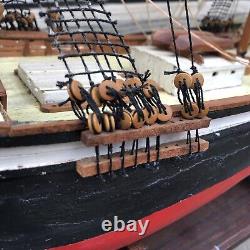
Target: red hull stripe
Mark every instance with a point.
(160, 219)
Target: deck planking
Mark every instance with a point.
(24, 107)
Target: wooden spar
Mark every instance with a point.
(87, 166)
(175, 125)
(244, 41)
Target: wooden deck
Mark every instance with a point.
(23, 106)
(222, 224)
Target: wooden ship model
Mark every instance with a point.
(128, 154)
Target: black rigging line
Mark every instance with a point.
(173, 36)
(193, 68)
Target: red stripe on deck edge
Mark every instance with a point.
(160, 219)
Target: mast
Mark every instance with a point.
(245, 38)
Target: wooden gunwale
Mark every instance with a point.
(4, 128)
(49, 127)
(75, 125)
(221, 104)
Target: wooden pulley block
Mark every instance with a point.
(104, 89)
(133, 82)
(108, 122)
(10, 17)
(17, 13)
(203, 112)
(119, 85)
(93, 124)
(126, 99)
(194, 112)
(94, 92)
(23, 21)
(182, 78)
(197, 77)
(126, 121)
(30, 18)
(150, 119)
(74, 91)
(147, 90)
(84, 105)
(165, 117)
(55, 16)
(152, 82)
(135, 120)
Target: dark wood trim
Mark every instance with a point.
(49, 127)
(45, 128)
(23, 35)
(228, 103)
(4, 128)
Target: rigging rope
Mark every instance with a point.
(112, 102)
(139, 26)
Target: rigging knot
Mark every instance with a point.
(61, 84)
(171, 72)
(194, 69)
(145, 76)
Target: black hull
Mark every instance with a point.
(59, 208)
